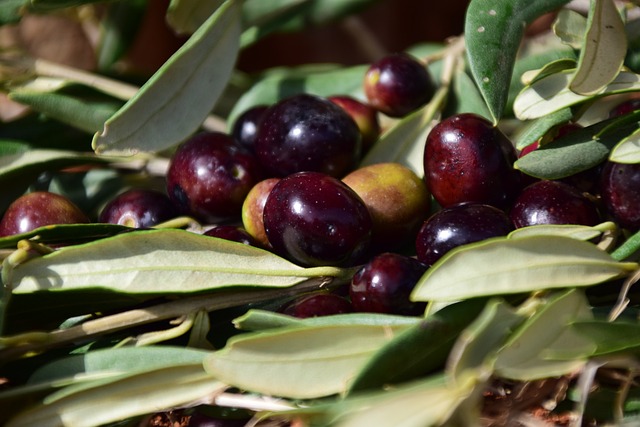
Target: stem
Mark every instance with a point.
(169, 310)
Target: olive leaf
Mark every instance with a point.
(571, 27)
(575, 152)
(175, 101)
(609, 337)
(507, 266)
(493, 32)
(64, 233)
(580, 232)
(159, 261)
(295, 361)
(603, 51)
(138, 394)
(118, 30)
(257, 320)
(477, 346)
(185, 17)
(84, 114)
(419, 350)
(532, 352)
(628, 248)
(11, 11)
(627, 150)
(534, 130)
(552, 93)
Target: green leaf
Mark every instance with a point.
(404, 142)
(185, 17)
(299, 362)
(114, 362)
(574, 152)
(317, 80)
(118, 29)
(627, 150)
(628, 248)
(64, 233)
(552, 93)
(579, 232)
(428, 403)
(11, 11)
(263, 18)
(465, 97)
(419, 350)
(80, 113)
(160, 261)
(528, 355)
(571, 27)
(604, 49)
(493, 32)
(479, 342)
(258, 320)
(179, 96)
(134, 395)
(49, 5)
(507, 266)
(534, 130)
(609, 337)
(9, 147)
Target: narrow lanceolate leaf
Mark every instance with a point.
(580, 232)
(160, 261)
(610, 337)
(82, 114)
(506, 266)
(135, 395)
(185, 17)
(422, 348)
(552, 93)
(299, 362)
(574, 152)
(534, 130)
(603, 50)
(478, 344)
(628, 150)
(535, 350)
(493, 31)
(179, 96)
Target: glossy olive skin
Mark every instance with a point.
(317, 304)
(468, 160)
(201, 420)
(365, 116)
(232, 233)
(245, 127)
(397, 199)
(459, 225)
(620, 192)
(138, 208)
(553, 202)
(625, 107)
(384, 284)
(314, 219)
(307, 133)
(210, 175)
(398, 84)
(38, 209)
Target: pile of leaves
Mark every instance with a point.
(156, 327)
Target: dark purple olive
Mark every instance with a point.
(38, 209)
(620, 191)
(210, 175)
(459, 225)
(138, 208)
(307, 133)
(553, 202)
(314, 219)
(398, 84)
(245, 127)
(232, 233)
(468, 160)
(317, 304)
(384, 284)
